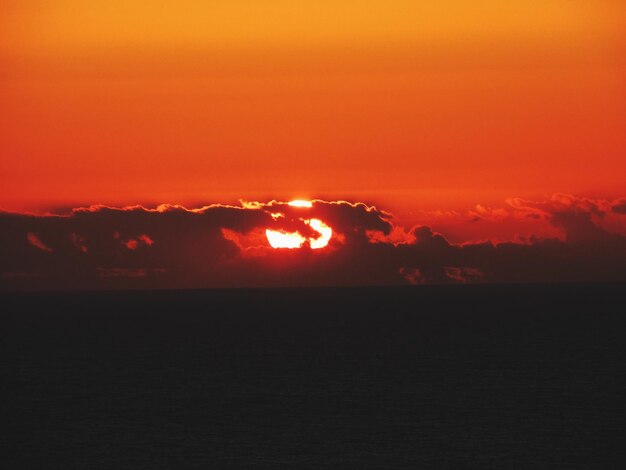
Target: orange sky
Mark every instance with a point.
(412, 104)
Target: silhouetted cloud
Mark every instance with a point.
(225, 246)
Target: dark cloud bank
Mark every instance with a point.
(225, 246)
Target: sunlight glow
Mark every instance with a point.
(300, 203)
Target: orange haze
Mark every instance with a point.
(413, 104)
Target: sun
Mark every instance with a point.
(291, 240)
(280, 239)
(324, 230)
(300, 203)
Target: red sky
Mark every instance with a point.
(493, 131)
(413, 105)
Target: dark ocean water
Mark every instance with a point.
(456, 377)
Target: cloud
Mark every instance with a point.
(580, 219)
(413, 276)
(619, 206)
(134, 243)
(464, 275)
(128, 272)
(561, 203)
(34, 240)
(225, 246)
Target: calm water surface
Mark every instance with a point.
(460, 377)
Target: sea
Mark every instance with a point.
(417, 377)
